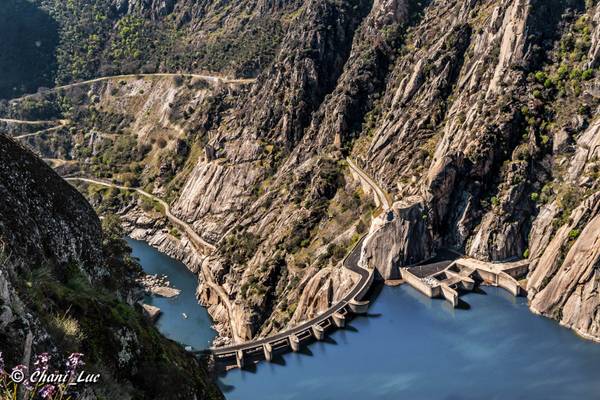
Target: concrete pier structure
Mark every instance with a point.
(447, 281)
(268, 350)
(335, 317)
(239, 358)
(294, 343)
(319, 332)
(339, 319)
(359, 307)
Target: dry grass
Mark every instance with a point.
(67, 330)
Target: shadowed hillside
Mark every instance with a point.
(28, 59)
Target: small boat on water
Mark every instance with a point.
(184, 315)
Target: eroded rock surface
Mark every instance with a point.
(478, 117)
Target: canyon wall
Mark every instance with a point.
(477, 116)
(68, 284)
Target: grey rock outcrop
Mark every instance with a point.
(151, 312)
(399, 238)
(565, 282)
(56, 262)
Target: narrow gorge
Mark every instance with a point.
(258, 142)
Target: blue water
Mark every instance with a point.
(196, 331)
(416, 348)
(410, 347)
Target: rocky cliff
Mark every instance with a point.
(67, 285)
(502, 155)
(478, 116)
(481, 122)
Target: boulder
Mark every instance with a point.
(151, 312)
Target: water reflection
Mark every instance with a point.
(420, 349)
(196, 330)
(409, 347)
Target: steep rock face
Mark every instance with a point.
(58, 224)
(338, 119)
(57, 264)
(457, 124)
(478, 149)
(502, 232)
(402, 238)
(273, 119)
(463, 123)
(320, 291)
(307, 68)
(565, 282)
(38, 227)
(484, 109)
(225, 196)
(457, 72)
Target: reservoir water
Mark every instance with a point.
(196, 330)
(411, 347)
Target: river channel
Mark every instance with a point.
(408, 347)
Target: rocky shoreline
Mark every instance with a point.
(158, 285)
(321, 286)
(140, 226)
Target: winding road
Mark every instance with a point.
(200, 244)
(384, 198)
(209, 78)
(191, 234)
(350, 262)
(359, 290)
(55, 128)
(60, 124)
(25, 122)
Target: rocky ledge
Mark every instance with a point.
(151, 312)
(158, 285)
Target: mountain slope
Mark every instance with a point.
(70, 286)
(478, 116)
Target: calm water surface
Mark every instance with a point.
(196, 331)
(411, 347)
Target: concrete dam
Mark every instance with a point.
(239, 355)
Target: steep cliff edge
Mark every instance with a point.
(69, 285)
(504, 152)
(478, 116)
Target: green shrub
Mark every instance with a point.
(175, 233)
(540, 76)
(563, 72)
(575, 75)
(587, 74)
(535, 197)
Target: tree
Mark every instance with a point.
(112, 237)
